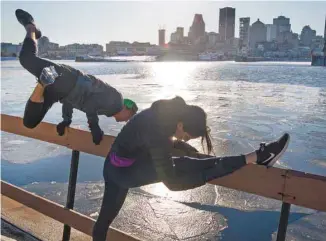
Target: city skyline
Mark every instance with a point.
(140, 26)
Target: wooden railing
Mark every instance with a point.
(288, 186)
(58, 212)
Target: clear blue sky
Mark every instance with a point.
(66, 22)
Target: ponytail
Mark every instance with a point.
(208, 139)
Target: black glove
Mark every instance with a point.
(48, 76)
(97, 133)
(184, 146)
(62, 126)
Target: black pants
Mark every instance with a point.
(190, 173)
(35, 112)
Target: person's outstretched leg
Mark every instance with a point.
(28, 54)
(194, 172)
(113, 199)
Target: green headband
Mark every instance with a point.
(131, 105)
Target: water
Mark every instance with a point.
(246, 103)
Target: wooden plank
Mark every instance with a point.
(306, 190)
(35, 223)
(267, 182)
(73, 138)
(53, 210)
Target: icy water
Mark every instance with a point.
(246, 103)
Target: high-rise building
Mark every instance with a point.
(257, 33)
(213, 38)
(324, 50)
(325, 30)
(180, 31)
(161, 37)
(244, 32)
(307, 35)
(227, 23)
(174, 38)
(197, 29)
(177, 36)
(282, 24)
(271, 32)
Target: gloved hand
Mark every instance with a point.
(48, 76)
(97, 133)
(62, 126)
(184, 146)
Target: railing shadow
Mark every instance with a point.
(247, 225)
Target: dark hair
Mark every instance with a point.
(194, 119)
(195, 123)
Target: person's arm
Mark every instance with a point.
(163, 163)
(67, 111)
(93, 125)
(184, 146)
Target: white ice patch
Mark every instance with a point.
(94, 214)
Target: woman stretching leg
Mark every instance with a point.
(141, 155)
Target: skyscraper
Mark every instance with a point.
(180, 31)
(271, 32)
(227, 23)
(282, 24)
(177, 36)
(257, 33)
(324, 50)
(161, 37)
(325, 30)
(307, 35)
(197, 29)
(244, 32)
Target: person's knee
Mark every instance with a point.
(29, 123)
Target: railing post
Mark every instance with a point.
(283, 224)
(71, 190)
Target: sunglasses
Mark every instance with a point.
(131, 105)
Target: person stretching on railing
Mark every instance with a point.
(74, 89)
(141, 155)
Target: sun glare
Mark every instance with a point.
(159, 189)
(173, 77)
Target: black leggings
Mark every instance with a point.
(35, 112)
(190, 173)
(30, 61)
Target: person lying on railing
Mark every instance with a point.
(74, 89)
(141, 155)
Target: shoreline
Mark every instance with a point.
(123, 60)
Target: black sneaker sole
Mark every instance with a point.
(24, 18)
(277, 157)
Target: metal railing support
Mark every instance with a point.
(283, 224)
(71, 191)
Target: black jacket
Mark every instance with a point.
(92, 96)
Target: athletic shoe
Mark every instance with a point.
(269, 153)
(24, 18)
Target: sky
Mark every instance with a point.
(66, 22)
